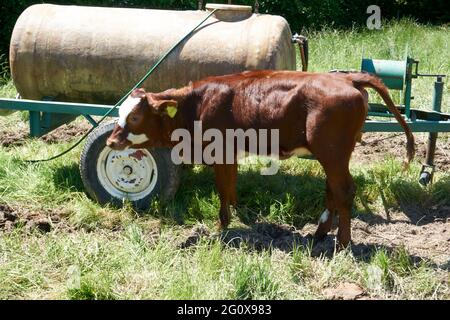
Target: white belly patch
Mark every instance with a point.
(137, 138)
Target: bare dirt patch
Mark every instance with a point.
(344, 291)
(194, 236)
(67, 132)
(64, 133)
(376, 146)
(12, 138)
(44, 221)
(427, 238)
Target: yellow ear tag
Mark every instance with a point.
(171, 111)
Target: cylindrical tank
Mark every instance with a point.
(94, 55)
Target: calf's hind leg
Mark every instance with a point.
(340, 194)
(332, 138)
(343, 190)
(326, 219)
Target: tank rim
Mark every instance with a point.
(228, 7)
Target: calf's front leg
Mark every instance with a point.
(226, 177)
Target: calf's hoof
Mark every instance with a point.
(324, 226)
(343, 243)
(222, 225)
(320, 236)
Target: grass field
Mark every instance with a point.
(85, 251)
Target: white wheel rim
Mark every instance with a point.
(128, 174)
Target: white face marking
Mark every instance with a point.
(125, 108)
(324, 217)
(137, 138)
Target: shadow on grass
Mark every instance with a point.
(269, 236)
(283, 198)
(67, 178)
(267, 204)
(263, 236)
(293, 199)
(299, 199)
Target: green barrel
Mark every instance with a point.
(392, 72)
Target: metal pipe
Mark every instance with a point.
(427, 176)
(436, 105)
(256, 7)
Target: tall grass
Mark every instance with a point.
(7, 89)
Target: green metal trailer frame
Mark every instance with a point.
(46, 116)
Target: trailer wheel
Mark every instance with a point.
(137, 175)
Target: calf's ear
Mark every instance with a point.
(163, 107)
(138, 93)
(167, 107)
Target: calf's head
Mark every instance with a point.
(144, 122)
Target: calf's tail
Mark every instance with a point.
(366, 80)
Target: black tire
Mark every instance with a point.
(168, 174)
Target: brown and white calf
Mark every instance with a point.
(317, 113)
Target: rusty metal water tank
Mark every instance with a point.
(93, 54)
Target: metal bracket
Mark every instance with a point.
(302, 42)
(44, 122)
(91, 120)
(426, 174)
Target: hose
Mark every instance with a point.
(137, 85)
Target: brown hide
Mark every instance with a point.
(322, 112)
